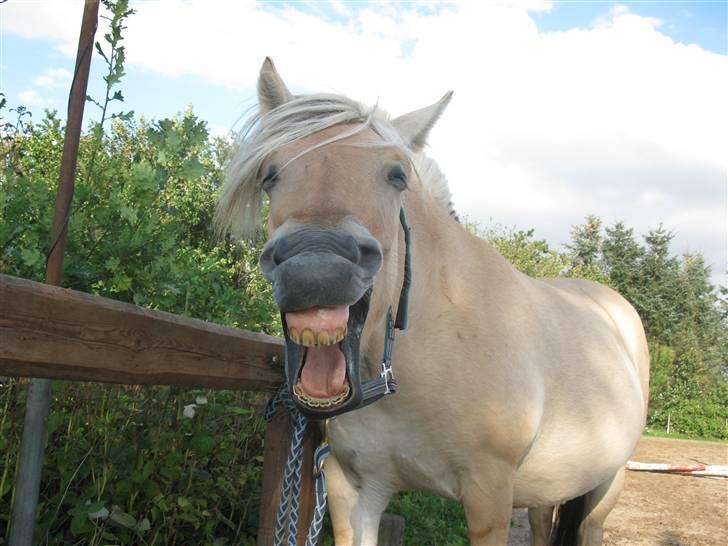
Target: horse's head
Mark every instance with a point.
(334, 173)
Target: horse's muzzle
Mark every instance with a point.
(316, 265)
(322, 277)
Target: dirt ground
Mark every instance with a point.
(664, 509)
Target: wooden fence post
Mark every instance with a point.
(391, 530)
(275, 452)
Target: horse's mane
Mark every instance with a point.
(434, 182)
(241, 198)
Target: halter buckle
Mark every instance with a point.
(318, 467)
(321, 452)
(387, 375)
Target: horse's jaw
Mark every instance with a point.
(325, 377)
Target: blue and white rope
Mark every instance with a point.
(291, 487)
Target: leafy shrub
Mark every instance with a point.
(141, 465)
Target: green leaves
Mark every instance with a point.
(114, 56)
(123, 519)
(31, 257)
(192, 169)
(202, 443)
(145, 469)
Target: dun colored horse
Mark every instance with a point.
(513, 391)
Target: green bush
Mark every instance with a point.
(123, 465)
(133, 465)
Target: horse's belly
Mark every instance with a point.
(571, 459)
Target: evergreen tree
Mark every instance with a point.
(699, 314)
(658, 273)
(621, 256)
(586, 242)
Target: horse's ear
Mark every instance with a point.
(272, 92)
(415, 126)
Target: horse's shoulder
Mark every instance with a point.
(584, 301)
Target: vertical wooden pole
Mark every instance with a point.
(391, 530)
(27, 481)
(275, 452)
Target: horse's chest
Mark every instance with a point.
(396, 457)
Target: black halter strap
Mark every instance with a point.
(374, 389)
(403, 306)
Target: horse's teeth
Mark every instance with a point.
(323, 338)
(307, 338)
(320, 402)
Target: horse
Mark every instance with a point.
(513, 391)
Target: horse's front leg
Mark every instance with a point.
(356, 505)
(487, 495)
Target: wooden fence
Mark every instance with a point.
(56, 333)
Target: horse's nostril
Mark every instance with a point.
(351, 249)
(370, 255)
(281, 251)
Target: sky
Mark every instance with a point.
(561, 108)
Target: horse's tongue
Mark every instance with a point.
(324, 372)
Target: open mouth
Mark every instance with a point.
(322, 345)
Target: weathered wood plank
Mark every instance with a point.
(52, 332)
(391, 530)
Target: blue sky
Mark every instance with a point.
(695, 22)
(609, 108)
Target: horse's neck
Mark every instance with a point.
(441, 242)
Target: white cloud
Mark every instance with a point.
(544, 128)
(340, 7)
(55, 78)
(58, 20)
(622, 11)
(31, 97)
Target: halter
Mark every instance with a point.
(372, 390)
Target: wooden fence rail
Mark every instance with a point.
(57, 333)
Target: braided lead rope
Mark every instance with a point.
(291, 488)
(299, 430)
(320, 496)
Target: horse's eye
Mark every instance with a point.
(397, 177)
(270, 178)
